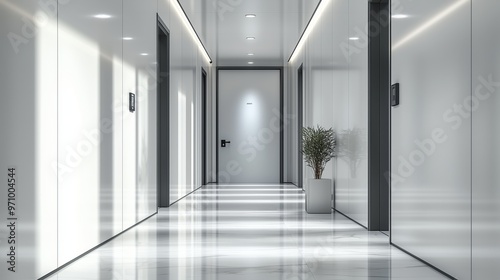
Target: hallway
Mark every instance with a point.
(246, 232)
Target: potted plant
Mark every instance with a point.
(318, 149)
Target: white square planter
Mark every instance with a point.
(319, 196)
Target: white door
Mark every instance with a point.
(249, 118)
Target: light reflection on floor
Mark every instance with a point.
(246, 232)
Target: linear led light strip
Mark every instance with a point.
(310, 26)
(190, 27)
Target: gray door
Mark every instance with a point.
(249, 118)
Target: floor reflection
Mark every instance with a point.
(247, 232)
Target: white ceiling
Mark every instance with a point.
(223, 27)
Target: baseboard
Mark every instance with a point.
(349, 218)
(425, 262)
(92, 249)
(185, 196)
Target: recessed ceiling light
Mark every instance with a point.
(250, 38)
(250, 54)
(399, 16)
(250, 15)
(127, 38)
(250, 62)
(354, 38)
(144, 54)
(102, 16)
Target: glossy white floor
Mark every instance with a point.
(247, 232)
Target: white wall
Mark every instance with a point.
(336, 95)
(204, 16)
(431, 157)
(485, 136)
(28, 121)
(444, 154)
(86, 166)
(89, 130)
(186, 62)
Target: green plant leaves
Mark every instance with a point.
(318, 148)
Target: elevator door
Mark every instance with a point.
(249, 126)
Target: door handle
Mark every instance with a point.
(395, 95)
(224, 142)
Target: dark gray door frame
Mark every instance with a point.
(282, 102)
(300, 124)
(204, 91)
(379, 116)
(163, 103)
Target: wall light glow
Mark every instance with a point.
(250, 15)
(250, 38)
(354, 38)
(310, 26)
(428, 24)
(190, 27)
(400, 16)
(127, 38)
(102, 16)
